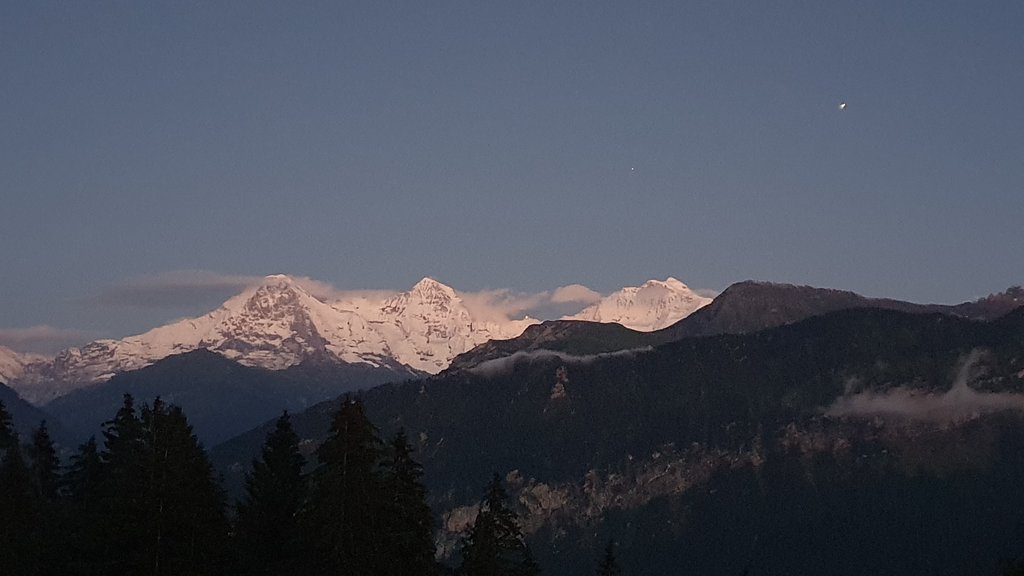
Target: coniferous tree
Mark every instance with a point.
(608, 565)
(83, 476)
(121, 529)
(83, 512)
(409, 539)
(18, 515)
(495, 545)
(267, 524)
(186, 527)
(51, 532)
(343, 519)
(44, 465)
(163, 511)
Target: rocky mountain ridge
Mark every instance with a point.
(278, 323)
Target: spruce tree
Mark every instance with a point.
(18, 514)
(121, 529)
(84, 515)
(51, 528)
(44, 465)
(343, 521)
(495, 545)
(409, 539)
(186, 527)
(163, 510)
(608, 565)
(267, 524)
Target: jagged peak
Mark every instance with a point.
(278, 280)
(669, 282)
(430, 287)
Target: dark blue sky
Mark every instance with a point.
(507, 145)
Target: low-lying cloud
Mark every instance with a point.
(575, 294)
(497, 366)
(960, 402)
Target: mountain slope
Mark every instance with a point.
(751, 306)
(429, 325)
(568, 336)
(278, 324)
(654, 305)
(12, 364)
(742, 308)
(26, 417)
(221, 397)
(743, 433)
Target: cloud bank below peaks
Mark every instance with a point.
(960, 402)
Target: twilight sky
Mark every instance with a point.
(514, 145)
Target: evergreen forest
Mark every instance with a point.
(145, 500)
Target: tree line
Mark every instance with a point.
(148, 501)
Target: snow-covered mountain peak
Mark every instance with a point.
(432, 292)
(653, 305)
(12, 364)
(427, 297)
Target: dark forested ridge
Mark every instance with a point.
(222, 397)
(638, 446)
(24, 416)
(742, 308)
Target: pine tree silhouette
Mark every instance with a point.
(45, 465)
(495, 545)
(409, 540)
(267, 526)
(18, 505)
(344, 518)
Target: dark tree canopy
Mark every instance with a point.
(19, 522)
(44, 463)
(408, 531)
(608, 565)
(267, 522)
(495, 545)
(345, 512)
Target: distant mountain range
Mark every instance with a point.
(279, 323)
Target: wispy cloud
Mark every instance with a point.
(196, 289)
(960, 402)
(490, 368)
(573, 294)
(174, 289)
(501, 305)
(42, 339)
(505, 304)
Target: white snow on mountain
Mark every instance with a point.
(278, 323)
(430, 325)
(12, 365)
(653, 306)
